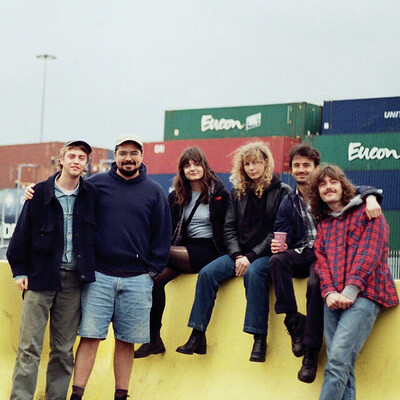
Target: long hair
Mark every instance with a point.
(251, 152)
(182, 185)
(64, 150)
(319, 208)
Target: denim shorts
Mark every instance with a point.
(126, 302)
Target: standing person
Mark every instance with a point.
(132, 245)
(295, 218)
(51, 254)
(356, 282)
(248, 231)
(198, 206)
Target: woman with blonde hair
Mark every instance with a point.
(249, 223)
(198, 206)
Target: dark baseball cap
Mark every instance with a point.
(79, 143)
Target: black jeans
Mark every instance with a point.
(288, 265)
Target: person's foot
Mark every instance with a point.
(308, 370)
(147, 349)
(197, 343)
(259, 348)
(75, 397)
(295, 329)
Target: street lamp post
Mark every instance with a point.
(44, 57)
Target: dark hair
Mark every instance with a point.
(319, 208)
(304, 150)
(182, 184)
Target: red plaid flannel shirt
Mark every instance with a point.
(353, 250)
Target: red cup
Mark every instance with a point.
(281, 238)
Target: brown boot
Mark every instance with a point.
(146, 349)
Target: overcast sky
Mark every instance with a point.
(121, 63)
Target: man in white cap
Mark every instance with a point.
(51, 254)
(132, 245)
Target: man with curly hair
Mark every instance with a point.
(249, 224)
(355, 278)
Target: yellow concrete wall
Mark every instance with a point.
(224, 373)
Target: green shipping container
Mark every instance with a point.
(295, 120)
(372, 151)
(393, 219)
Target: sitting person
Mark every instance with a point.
(355, 278)
(248, 231)
(198, 206)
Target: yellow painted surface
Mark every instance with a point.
(224, 373)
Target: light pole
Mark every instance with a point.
(44, 57)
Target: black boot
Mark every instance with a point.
(197, 343)
(308, 370)
(295, 329)
(147, 349)
(259, 348)
(75, 397)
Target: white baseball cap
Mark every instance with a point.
(128, 137)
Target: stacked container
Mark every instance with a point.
(363, 138)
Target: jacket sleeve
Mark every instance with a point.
(365, 191)
(284, 220)
(230, 227)
(264, 247)
(18, 252)
(321, 265)
(161, 238)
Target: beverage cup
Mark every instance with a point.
(281, 238)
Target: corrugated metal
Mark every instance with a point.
(361, 116)
(162, 157)
(42, 155)
(290, 119)
(393, 219)
(359, 151)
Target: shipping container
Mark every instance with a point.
(393, 220)
(360, 151)
(22, 164)
(294, 120)
(162, 157)
(361, 116)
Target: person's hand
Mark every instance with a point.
(372, 207)
(28, 194)
(275, 247)
(332, 300)
(241, 264)
(345, 302)
(22, 283)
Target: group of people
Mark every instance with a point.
(88, 252)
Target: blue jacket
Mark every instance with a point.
(37, 245)
(289, 219)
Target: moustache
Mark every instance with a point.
(329, 191)
(129, 163)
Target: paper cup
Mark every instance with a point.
(281, 238)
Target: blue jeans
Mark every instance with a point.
(256, 281)
(345, 333)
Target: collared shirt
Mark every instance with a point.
(67, 200)
(352, 250)
(309, 223)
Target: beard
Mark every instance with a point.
(126, 172)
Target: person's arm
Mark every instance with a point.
(372, 197)
(29, 192)
(230, 228)
(161, 238)
(18, 252)
(370, 246)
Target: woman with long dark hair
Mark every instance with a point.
(198, 206)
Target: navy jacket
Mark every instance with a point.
(218, 203)
(37, 245)
(289, 219)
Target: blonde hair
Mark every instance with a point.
(256, 151)
(64, 150)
